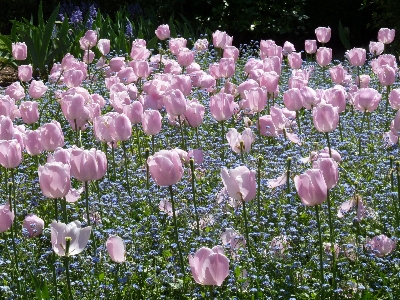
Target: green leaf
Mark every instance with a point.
(344, 36)
(48, 30)
(101, 276)
(172, 26)
(152, 44)
(40, 15)
(7, 42)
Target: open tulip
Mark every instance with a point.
(240, 183)
(235, 140)
(116, 248)
(37, 89)
(209, 266)
(311, 187)
(78, 236)
(381, 245)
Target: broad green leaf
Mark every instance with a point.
(48, 30)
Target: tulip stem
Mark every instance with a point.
(223, 141)
(113, 160)
(176, 230)
(387, 96)
(147, 154)
(298, 120)
(152, 144)
(329, 144)
(241, 151)
(191, 161)
(246, 228)
(182, 135)
(56, 209)
(362, 126)
(197, 137)
(358, 76)
(66, 264)
(288, 164)
(321, 266)
(259, 165)
(332, 241)
(76, 134)
(138, 144)
(64, 208)
(87, 202)
(340, 130)
(398, 193)
(55, 276)
(126, 169)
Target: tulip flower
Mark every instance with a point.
(51, 136)
(338, 74)
(376, 48)
(194, 113)
(78, 238)
(25, 73)
(88, 165)
(6, 217)
(19, 51)
(240, 183)
(329, 169)
(311, 187)
(326, 118)
(116, 249)
(221, 106)
(209, 266)
(37, 89)
(33, 225)
(240, 143)
(29, 112)
(294, 60)
(323, 34)
(165, 167)
(356, 56)
(386, 35)
(221, 39)
(54, 179)
(367, 99)
(151, 122)
(381, 245)
(162, 32)
(310, 46)
(104, 46)
(10, 153)
(15, 91)
(324, 56)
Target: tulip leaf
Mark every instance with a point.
(344, 36)
(152, 44)
(45, 39)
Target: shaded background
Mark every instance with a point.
(246, 20)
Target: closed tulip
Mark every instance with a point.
(231, 52)
(162, 32)
(270, 81)
(104, 46)
(376, 48)
(165, 167)
(25, 72)
(175, 102)
(209, 266)
(221, 39)
(221, 106)
(33, 225)
(185, 57)
(394, 99)
(116, 249)
(226, 67)
(37, 89)
(329, 169)
(338, 74)
(381, 245)
(88, 165)
(356, 56)
(386, 35)
(194, 113)
(151, 122)
(325, 117)
(311, 187)
(295, 60)
(54, 180)
(123, 128)
(51, 136)
(324, 56)
(10, 153)
(293, 99)
(323, 34)
(134, 112)
(175, 45)
(78, 236)
(310, 98)
(29, 111)
(386, 75)
(310, 46)
(336, 96)
(19, 51)
(15, 91)
(367, 99)
(6, 217)
(288, 47)
(267, 126)
(240, 183)
(6, 128)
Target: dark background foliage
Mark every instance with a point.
(293, 20)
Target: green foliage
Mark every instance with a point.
(344, 36)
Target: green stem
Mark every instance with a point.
(259, 166)
(340, 130)
(76, 134)
(138, 144)
(241, 151)
(87, 202)
(191, 161)
(223, 142)
(329, 144)
(332, 241)
(66, 264)
(387, 96)
(56, 209)
(147, 154)
(55, 276)
(152, 144)
(113, 160)
(246, 228)
(64, 208)
(126, 169)
(197, 137)
(321, 266)
(298, 121)
(398, 193)
(176, 230)
(182, 135)
(362, 126)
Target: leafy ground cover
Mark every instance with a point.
(153, 208)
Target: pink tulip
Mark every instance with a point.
(37, 89)
(323, 34)
(240, 183)
(185, 57)
(117, 64)
(288, 48)
(19, 51)
(329, 169)
(310, 46)
(6, 128)
(338, 74)
(386, 35)
(175, 45)
(10, 153)
(256, 98)
(324, 56)
(163, 32)
(381, 245)
(235, 140)
(116, 248)
(51, 136)
(54, 179)
(209, 266)
(293, 99)
(6, 217)
(356, 56)
(29, 112)
(336, 96)
(151, 122)
(175, 102)
(272, 63)
(123, 128)
(25, 72)
(245, 86)
(367, 99)
(182, 83)
(33, 225)
(88, 165)
(194, 113)
(104, 46)
(295, 60)
(267, 126)
(310, 98)
(253, 64)
(311, 187)
(326, 118)
(201, 45)
(165, 167)
(197, 155)
(79, 237)
(270, 81)
(88, 56)
(231, 52)
(134, 112)
(221, 106)
(89, 40)
(226, 67)
(376, 48)
(139, 51)
(232, 239)
(394, 99)
(15, 91)
(386, 75)
(221, 39)
(363, 81)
